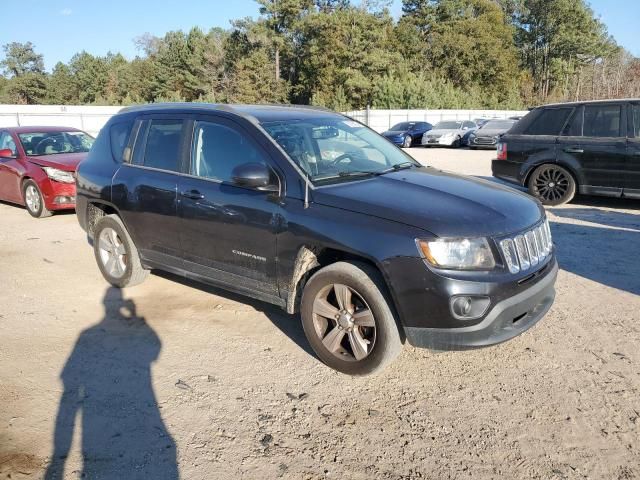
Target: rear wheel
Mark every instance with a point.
(116, 254)
(33, 200)
(348, 320)
(552, 185)
(407, 142)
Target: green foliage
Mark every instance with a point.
(347, 55)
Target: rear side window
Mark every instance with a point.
(162, 140)
(602, 120)
(119, 136)
(549, 122)
(218, 149)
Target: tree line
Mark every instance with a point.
(333, 53)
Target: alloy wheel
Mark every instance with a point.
(32, 198)
(407, 142)
(113, 253)
(551, 184)
(344, 322)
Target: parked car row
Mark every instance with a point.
(479, 133)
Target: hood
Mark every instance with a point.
(443, 131)
(62, 161)
(490, 132)
(394, 133)
(442, 203)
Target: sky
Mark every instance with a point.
(61, 28)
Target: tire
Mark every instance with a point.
(33, 200)
(127, 269)
(457, 143)
(552, 184)
(407, 142)
(368, 294)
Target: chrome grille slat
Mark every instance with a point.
(528, 249)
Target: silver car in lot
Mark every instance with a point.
(448, 133)
(487, 136)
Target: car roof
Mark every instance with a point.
(589, 102)
(260, 113)
(40, 129)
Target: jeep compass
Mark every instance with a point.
(312, 211)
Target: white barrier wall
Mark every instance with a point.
(87, 118)
(381, 120)
(91, 118)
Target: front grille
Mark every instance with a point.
(529, 249)
(484, 141)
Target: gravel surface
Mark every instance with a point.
(170, 378)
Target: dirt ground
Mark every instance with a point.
(171, 379)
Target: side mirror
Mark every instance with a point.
(254, 175)
(6, 153)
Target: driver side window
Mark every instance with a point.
(7, 143)
(218, 149)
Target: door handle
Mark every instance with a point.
(574, 150)
(193, 194)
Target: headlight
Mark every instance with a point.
(458, 254)
(59, 175)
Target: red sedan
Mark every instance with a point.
(38, 165)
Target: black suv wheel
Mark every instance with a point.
(347, 319)
(116, 254)
(552, 185)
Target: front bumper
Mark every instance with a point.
(58, 196)
(507, 319)
(447, 142)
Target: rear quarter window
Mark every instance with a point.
(119, 136)
(549, 122)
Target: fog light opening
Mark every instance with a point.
(469, 307)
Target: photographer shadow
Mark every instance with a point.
(108, 391)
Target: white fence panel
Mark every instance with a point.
(91, 118)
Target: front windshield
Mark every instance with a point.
(52, 143)
(498, 125)
(448, 125)
(329, 148)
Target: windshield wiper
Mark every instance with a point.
(357, 173)
(399, 166)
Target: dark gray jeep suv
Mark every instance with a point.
(314, 212)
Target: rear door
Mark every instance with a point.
(594, 143)
(632, 186)
(228, 232)
(9, 170)
(145, 187)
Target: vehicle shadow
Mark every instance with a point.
(608, 218)
(604, 255)
(108, 391)
(290, 325)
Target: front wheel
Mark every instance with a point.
(407, 142)
(552, 185)
(116, 254)
(348, 319)
(457, 143)
(33, 200)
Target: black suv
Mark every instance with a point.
(592, 148)
(314, 212)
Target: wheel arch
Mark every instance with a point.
(97, 209)
(310, 259)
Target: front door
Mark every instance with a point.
(632, 186)
(228, 233)
(595, 139)
(145, 188)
